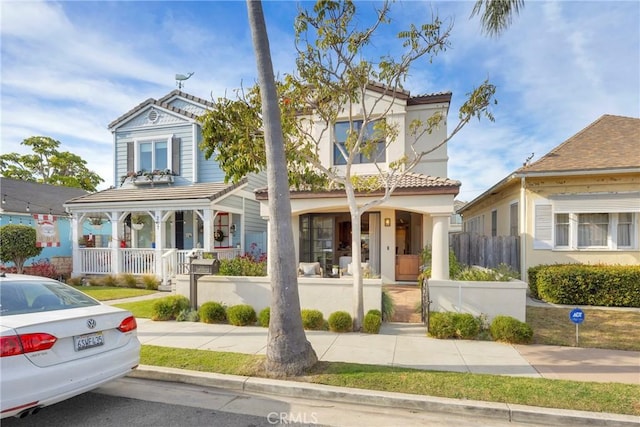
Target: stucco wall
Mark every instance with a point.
(488, 298)
(326, 295)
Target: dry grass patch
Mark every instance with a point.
(612, 329)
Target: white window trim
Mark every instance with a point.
(612, 234)
(136, 151)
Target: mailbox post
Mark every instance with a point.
(200, 267)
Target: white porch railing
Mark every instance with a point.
(138, 261)
(143, 261)
(96, 260)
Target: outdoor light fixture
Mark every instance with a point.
(387, 222)
(232, 229)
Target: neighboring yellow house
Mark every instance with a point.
(580, 203)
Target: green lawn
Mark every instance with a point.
(561, 394)
(106, 293)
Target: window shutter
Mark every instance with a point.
(175, 155)
(543, 227)
(130, 157)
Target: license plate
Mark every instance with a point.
(83, 342)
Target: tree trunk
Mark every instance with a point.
(356, 268)
(288, 350)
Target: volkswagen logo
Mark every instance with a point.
(91, 323)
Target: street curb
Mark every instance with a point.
(504, 411)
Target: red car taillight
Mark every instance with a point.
(26, 343)
(128, 324)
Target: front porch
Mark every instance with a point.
(164, 263)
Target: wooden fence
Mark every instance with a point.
(485, 251)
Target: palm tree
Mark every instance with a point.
(288, 350)
(496, 15)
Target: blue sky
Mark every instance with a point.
(70, 68)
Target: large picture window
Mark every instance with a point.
(593, 229)
(341, 132)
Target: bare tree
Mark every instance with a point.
(288, 350)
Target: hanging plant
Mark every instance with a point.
(218, 235)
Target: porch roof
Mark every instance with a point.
(410, 184)
(189, 193)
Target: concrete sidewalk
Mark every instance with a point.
(406, 345)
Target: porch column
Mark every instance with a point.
(116, 253)
(207, 233)
(159, 239)
(75, 236)
(440, 247)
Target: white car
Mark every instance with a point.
(57, 342)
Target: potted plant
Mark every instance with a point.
(96, 222)
(137, 222)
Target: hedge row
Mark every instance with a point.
(176, 307)
(580, 284)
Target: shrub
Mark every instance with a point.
(168, 308)
(245, 265)
(511, 330)
(388, 306)
(95, 281)
(110, 280)
(212, 312)
(241, 315)
(340, 321)
(188, 315)
(74, 281)
(312, 319)
(128, 280)
(372, 322)
(150, 282)
(264, 317)
(43, 268)
(454, 325)
(578, 284)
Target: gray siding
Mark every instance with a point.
(182, 131)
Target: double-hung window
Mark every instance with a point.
(342, 131)
(153, 155)
(625, 230)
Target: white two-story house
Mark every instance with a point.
(394, 233)
(166, 198)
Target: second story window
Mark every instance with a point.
(341, 132)
(153, 155)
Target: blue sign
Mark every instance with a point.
(576, 316)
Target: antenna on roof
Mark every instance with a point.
(180, 78)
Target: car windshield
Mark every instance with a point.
(19, 297)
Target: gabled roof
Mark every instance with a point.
(41, 198)
(409, 184)
(610, 144)
(163, 103)
(210, 191)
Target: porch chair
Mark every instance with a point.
(310, 269)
